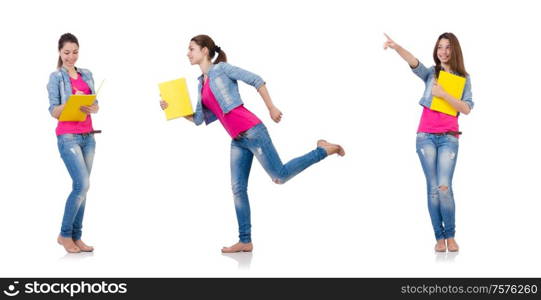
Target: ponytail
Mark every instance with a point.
(221, 55)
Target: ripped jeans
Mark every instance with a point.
(438, 154)
(256, 141)
(77, 152)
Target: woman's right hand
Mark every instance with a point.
(408, 57)
(57, 111)
(163, 104)
(389, 43)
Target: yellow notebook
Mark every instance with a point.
(452, 84)
(175, 93)
(72, 111)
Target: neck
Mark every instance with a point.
(205, 66)
(446, 67)
(69, 69)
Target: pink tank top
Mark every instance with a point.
(236, 121)
(436, 122)
(85, 126)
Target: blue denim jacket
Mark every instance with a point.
(428, 76)
(59, 86)
(223, 84)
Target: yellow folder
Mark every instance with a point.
(452, 84)
(175, 93)
(72, 111)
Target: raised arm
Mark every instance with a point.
(405, 54)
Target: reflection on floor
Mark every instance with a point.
(244, 259)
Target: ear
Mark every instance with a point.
(205, 51)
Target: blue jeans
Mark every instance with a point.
(77, 152)
(256, 141)
(438, 154)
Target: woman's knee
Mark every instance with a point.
(81, 186)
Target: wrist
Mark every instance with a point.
(449, 99)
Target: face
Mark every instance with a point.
(444, 51)
(69, 54)
(196, 54)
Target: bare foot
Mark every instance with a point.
(331, 148)
(440, 246)
(452, 245)
(84, 247)
(68, 244)
(238, 247)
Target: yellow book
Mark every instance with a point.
(175, 93)
(452, 84)
(72, 110)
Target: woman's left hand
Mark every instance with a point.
(275, 114)
(91, 109)
(437, 90)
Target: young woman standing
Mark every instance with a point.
(437, 135)
(219, 99)
(75, 139)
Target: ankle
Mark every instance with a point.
(64, 239)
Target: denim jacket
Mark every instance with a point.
(223, 79)
(59, 86)
(428, 76)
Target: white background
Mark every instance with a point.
(160, 202)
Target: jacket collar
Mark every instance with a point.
(64, 71)
(200, 78)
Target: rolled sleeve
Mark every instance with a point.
(198, 120)
(467, 94)
(198, 115)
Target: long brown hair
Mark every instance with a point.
(65, 38)
(205, 41)
(457, 60)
